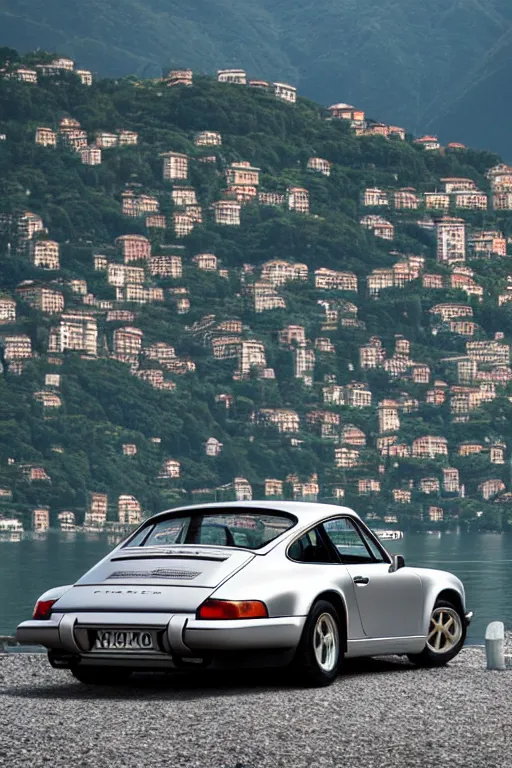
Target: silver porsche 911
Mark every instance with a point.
(248, 584)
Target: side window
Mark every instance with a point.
(352, 546)
(310, 549)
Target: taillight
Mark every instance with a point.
(232, 609)
(43, 609)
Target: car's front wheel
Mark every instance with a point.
(101, 675)
(320, 652)
(446, 636)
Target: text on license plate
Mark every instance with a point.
(123, 640)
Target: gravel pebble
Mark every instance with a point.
(380, 713)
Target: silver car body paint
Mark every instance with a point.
(159, 589)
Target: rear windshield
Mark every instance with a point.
(232, 528)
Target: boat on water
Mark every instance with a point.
(389, 535)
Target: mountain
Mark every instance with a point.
(207, 292)
(422, 64)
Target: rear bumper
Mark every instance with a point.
(176, 637)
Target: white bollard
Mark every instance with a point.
(495, 645)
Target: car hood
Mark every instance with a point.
(153, 579)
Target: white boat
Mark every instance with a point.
(389, 535)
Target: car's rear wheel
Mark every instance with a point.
(320, 652)
(101, 675)
(446, 636)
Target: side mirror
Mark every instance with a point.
(397, 562)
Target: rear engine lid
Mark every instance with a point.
(179, 566)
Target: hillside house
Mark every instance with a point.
(179, 77)
(138, 205)
(389, 420)
(331, 279)
(121, 274)
(183, 195)
(285, 92)
(7, 310)
(371, 355)
(379, 226)
(183, 224)
(96, 512)
(17, 347)
(129, 449)
(367, 486)
(285, 419)
(502, 201)
(206, 261)
(320, 165)
(472, 200)
(456, 184)
(374, 198)
(429, 143)
(265, 296)
(379, 279)
(77, 331)
(155, 222)
(348, 112)
(165, 266)
(129, 511)
(292, 335)
(352, 435)
(451, 480)
(236, 76)
(170, 469)
(127, 138)
(175, 165)
(435, 514)
(304, 363)
(305, 491)
(48, 399)
(273, 488)
(324, 344)
(450, 311)
(420, 373)
(155, 377)
(433, 282)
(212, 447)
(67, 521)
(90, 155)
(346, 458)
(45, 254)
(298, 199)
(429, 446)
(29, 224)
(467, 284)
(105, 140)
(490, 488)
(271, 198)
(120, 315)
(451, 240)
(242, 173)
(355, 395)
(227, 212)
(41, 519)
(278, 272)
(463, 327)
(486, 244)
(406, 199)
(437, 201)
(324, 423)
(208, 139)
(401, 496)
(23, 75)
(45, 137)
(38, 296)
(251, 355)
(497, 453)
(52, 380)
(133, 247)
(429, 485)
(85, 76)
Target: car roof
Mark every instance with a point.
(306, 512)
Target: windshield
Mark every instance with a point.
(230, 528)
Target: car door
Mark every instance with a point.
(390, 603)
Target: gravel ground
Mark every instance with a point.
(379, 713)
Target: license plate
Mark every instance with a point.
(122, 640)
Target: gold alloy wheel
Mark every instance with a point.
(326, 642)
(445, 630)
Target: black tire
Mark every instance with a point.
(306, 666)
(101, 675)
(449, 646)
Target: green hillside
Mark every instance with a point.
(423, 65)
(68, 416)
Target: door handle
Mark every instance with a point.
(361, 580)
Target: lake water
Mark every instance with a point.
(482, 561)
